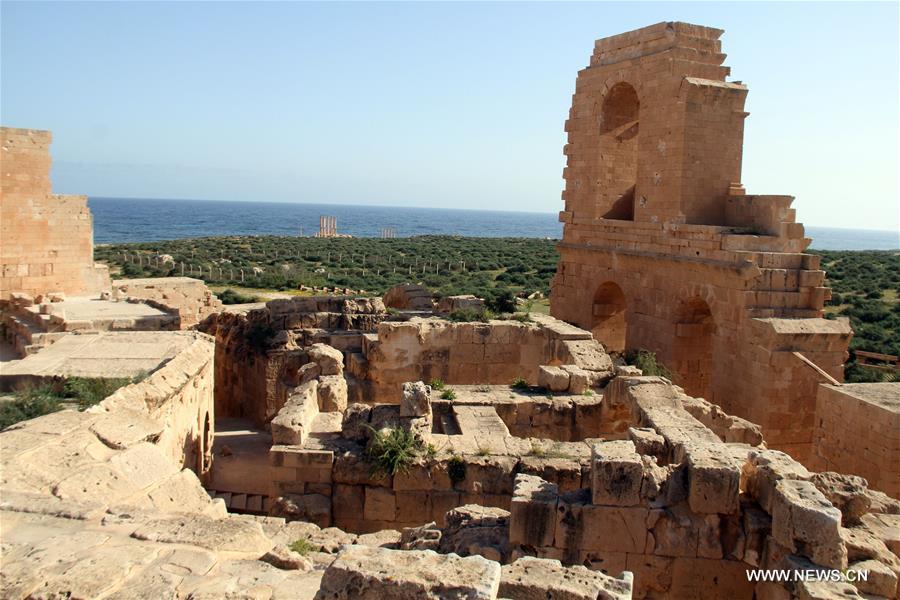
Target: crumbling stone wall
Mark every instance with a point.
(688, 515)
(259, 352)
(662, 248)
(188, 297)
(46, 240)
(179, 397)
(498, 352)
(858, 431)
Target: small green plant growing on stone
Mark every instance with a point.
(456, 469)
(519, 383)
(548, 396)
(483, 388)
(436, 384)
(482, 451)
(587, 393)
(448, 394)
(647, 362)
(430, 451)
(522, 317)
(302, 546)
(393, 450)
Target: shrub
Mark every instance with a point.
(470, 315)
(519, 383)
(522, 317)
(501, 301)
(29, 403)
(456, 469)
(393, 450)
(448, 394)
(302, 546)
(229, 296)
(89, 392)
(39, 400)
(436, 384)
(646, 361)
(258, 336)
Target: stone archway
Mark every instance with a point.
(693, 358)
(608, 316)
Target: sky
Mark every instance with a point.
(456, 105)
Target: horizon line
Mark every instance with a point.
(532, 212)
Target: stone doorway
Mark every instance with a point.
(608, 317)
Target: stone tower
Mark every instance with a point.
(46, 239)
(663, 250)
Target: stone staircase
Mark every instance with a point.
(249, 504)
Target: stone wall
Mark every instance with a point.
(188, 297)
(179, 396)
(858, 431)
(498, 352)
(46, 240)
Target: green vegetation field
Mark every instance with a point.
(447, 265)
(865, 287)
(865, 284)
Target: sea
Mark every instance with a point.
(118, 220)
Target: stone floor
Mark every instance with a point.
(85, 308)
(107, 354)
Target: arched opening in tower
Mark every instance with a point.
(619, 119)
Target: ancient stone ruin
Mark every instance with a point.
(361, 447)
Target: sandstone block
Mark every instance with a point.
(315, 508)
(329, 359)
(580, 380)
(530, 578)
(533, 511)
(125, 428)
(364, 572)
(800, 513)
(881, 579)
(628, 371)
(647, 442)
(380, 504)
(616, 474)
(714, 480)
(229, 534)
(415, 400)
(846, 492)
(332, 393)
(553, 378)
(282, 557)
(474, 529)
(764, 468)
(294, 421)
(425, 537)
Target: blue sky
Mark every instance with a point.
(427, 104)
